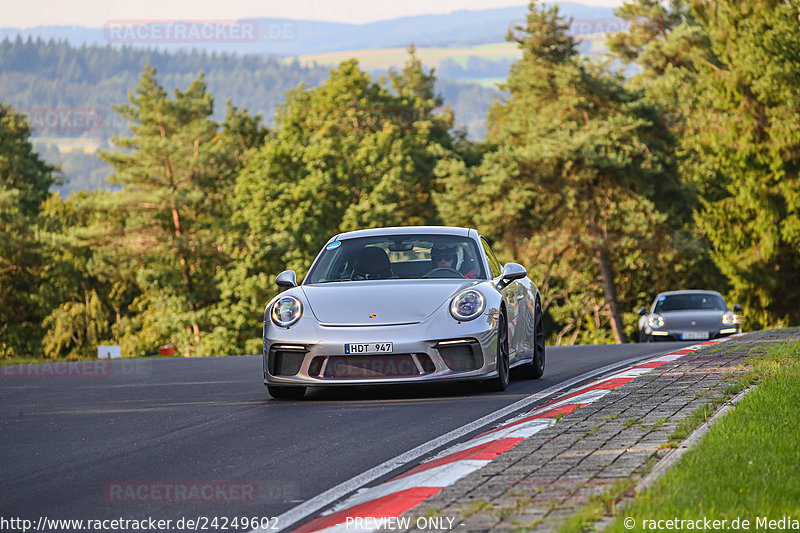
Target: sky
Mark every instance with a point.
(95, 13)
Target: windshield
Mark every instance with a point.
(398, 257)
(684, 302)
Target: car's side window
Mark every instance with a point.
(494, 264)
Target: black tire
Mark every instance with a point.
(500, 382)
(535, 369)
(286, 393)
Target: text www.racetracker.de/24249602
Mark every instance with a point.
(199, 523)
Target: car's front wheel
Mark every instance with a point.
(500, 382)
(286, 393)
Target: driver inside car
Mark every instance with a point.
(444, 257)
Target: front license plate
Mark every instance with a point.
(694, 335)
(368, 347)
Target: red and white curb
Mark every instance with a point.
(378, 507)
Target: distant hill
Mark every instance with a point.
(288, 38)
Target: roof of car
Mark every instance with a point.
(688, 291)
(404, 230)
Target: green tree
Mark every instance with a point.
(88, 287)
(24, 184)
(156, 245)
(579, 182)
(745, 138)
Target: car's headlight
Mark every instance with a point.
(655, 321)
(467, 305)
(729, 318)
(286, 311)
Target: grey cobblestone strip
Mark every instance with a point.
(546, 478)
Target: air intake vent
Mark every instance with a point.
(461, 356)
(285, 360)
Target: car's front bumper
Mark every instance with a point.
(315, 354)
(662, 334)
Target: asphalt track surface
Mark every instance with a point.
(71, 436)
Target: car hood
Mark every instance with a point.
(702, 319)
(353, 303)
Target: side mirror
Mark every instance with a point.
(511, 272)
(737, 308)
(642, 311)
(286, 279)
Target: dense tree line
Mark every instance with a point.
(608, 189)
(40, 75)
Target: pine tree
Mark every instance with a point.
(745, 141)
(164, 226)
(25, 180)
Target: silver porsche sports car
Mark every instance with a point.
(688, 315)
(403, 305)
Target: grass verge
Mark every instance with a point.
(600, 505)
(704, 413)
(746, 468)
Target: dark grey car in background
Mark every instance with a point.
(688, 315)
